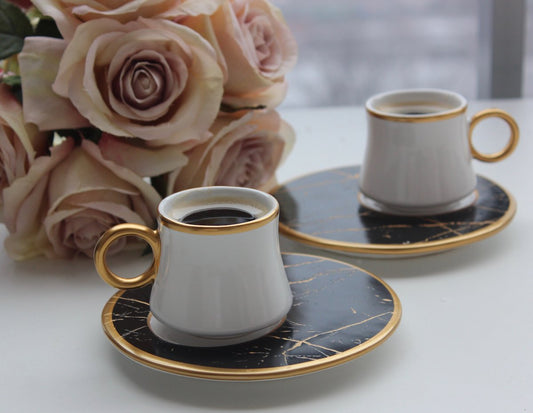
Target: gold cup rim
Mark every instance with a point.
(417, 98)
(220, 194)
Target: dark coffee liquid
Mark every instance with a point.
(218, 217)
(411, 113)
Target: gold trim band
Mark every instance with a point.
(511, 144)
(122, 230)
(431, 117)
(220, 229)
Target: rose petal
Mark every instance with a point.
(257, 47)
(80, 172)
(25, 203)
(69, 14)
(19, 142)
(77, 230)
(88, 195)
(11, 115)
(193, 8)
(243, 152)
(120, 211)
(269, 97)
(141, 159)
(39, 62)
(147, 192)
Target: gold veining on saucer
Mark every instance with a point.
(322, 210)
(311, 339)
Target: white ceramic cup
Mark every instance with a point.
(418, 158)
(220, 282)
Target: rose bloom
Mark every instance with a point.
(19, 142)
(69, 199)
(257, 48)
(136, 155)
(69, 14)
(23, 4)
(39, 63)
(243, 152)
(151, 79)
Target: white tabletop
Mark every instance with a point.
(465, 342)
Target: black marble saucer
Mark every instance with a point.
(339, 313)
(323, 210)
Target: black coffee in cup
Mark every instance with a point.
(413, 112)
(218, 217)
(415, 108)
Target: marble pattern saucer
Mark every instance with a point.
(323, 210)
(340, 312)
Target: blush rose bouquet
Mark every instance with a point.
(108, 106)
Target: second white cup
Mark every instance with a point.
(418, 159)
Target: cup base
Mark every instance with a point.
(185, 339)
(384, 208)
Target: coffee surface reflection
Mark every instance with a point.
(218, 217)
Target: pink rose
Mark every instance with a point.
(39, 63)
(151, 79)
(69, 14)
(26, 204)
(257, 47)
(19, 142)
(68, 199)
(242, 152)
(23, 4)
(144, 160)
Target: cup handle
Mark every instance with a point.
(511, 144)
(149, 235)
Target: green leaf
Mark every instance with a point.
(14, 27)
(12, 80)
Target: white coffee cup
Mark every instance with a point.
(418, 158)
(217, 279)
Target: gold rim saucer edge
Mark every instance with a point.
(403, 249)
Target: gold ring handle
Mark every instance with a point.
(511, 144)
(149, 235)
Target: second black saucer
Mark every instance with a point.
(322, 209)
